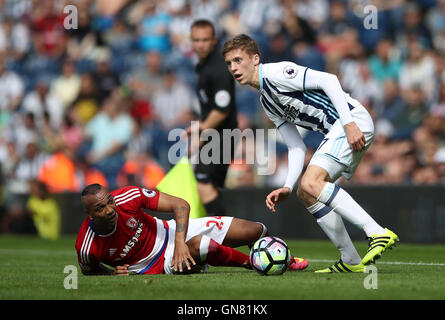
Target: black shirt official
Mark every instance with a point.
(216, 89)
(216, 93)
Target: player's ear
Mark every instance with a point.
(84, 205)
(87, 213)
(256, 59)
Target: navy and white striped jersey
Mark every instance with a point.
(284, 97)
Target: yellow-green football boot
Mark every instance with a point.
(378, 243)
(341, 266)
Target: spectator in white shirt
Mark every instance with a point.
(40, 101)
(14, 38)
(418, 70)
(11, 87)
(172, 102)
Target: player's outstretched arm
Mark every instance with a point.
(181, 209)
(105, 270)
(296, 153)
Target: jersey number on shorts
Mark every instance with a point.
(219, 224)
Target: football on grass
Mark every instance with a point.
(270, 256)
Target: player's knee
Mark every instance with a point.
(303, 196)
(307, 189)
(194, 245)
(261, 230)
(250, 230)
(257, 231)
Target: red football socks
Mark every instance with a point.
(219, 255)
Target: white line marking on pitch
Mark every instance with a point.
(72, 252)
(420, 263)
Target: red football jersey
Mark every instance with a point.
(138, 239)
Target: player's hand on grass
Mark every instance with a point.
(355, 136)
(182, 254)
(276, 196)
(122, 270)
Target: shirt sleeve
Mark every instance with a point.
(133, 198)
(288, 76)
(331, 86)
(223, 91)
(87, 263)
(86, 257)
(149, 199)
(296, 152)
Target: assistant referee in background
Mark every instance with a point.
(216, 93)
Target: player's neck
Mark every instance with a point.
(104, 228)
(255, 82)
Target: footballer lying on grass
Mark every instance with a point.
(119, 234)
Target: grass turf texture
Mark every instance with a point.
(32, 268)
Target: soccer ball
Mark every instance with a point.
(270, 256)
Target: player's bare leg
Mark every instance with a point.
(241, 233)
(244, 233)
(206, 250)
(311, 185)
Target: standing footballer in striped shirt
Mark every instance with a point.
(119, 238)
(294, 95)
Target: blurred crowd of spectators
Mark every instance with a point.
(93, 99)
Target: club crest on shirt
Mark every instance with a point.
(132, 223)
(289, 72)
(290, 113)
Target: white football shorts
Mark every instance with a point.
(213, 227)
(335, 155)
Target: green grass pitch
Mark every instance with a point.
(32, 268)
